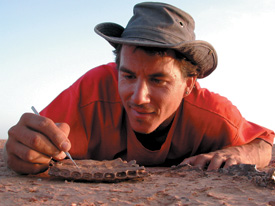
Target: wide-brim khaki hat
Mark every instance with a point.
(162, 25)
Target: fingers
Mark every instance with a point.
(211, 161)
(65, 144)
(47, 128)
(24, 167)
(216, 162)
(24, 160)
(32, 139)
(201, 161)
(33, 142)
(190, 160)
(230, 162)
(26, 154)
(221, 161)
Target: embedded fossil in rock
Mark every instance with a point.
(98, 171)
(241, 170)
(261, 178)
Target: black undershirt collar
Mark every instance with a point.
(154, 140)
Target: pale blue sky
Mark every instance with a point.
(46, 45)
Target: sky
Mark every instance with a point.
(47, 45)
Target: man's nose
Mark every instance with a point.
(141, 93)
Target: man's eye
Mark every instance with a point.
(157, 81)
(128, 76)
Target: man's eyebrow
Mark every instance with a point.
(158, 74)
(123, 69)
(154, 75)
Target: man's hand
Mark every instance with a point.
(33, 141)
(257, 152)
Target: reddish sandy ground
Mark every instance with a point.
(164, 186)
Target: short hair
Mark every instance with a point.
(187, 67)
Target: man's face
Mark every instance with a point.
(151, 88)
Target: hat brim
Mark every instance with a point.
(199, 52)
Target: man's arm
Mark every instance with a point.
(256, 152)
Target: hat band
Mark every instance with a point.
(152, 35)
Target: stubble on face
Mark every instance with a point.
(151, 88)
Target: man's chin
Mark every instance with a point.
(143, 127)
(143, 130)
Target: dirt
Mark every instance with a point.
(164, 186)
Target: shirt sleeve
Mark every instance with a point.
(65, 108)
(219, 123)
(82, 107)
(248, 131)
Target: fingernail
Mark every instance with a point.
(60, 156)
(65, 146)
